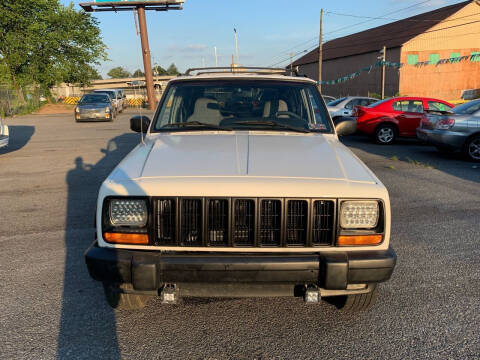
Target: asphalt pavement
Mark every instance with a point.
(50, 308)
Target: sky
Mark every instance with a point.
(268, 30)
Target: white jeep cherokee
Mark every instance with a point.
(241, 188)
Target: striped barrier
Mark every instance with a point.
(136, 102)
(71, 100)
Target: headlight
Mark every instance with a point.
(107, 109)
(128, 212)
(359, 214)
(77, 110)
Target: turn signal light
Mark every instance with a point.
(358, 240)
(119, 238)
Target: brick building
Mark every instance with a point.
(419, 43)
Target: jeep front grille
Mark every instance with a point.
(243, 228)
(217, 222)
(230, 222)
(297, 219)
(270, 222)
(191, 222)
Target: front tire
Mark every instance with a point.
(118, 300)
(385, 134)
(472, 148)
(356, 302)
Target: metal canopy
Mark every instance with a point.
(127, 5)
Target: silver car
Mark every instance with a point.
(3, 134)
(455, 130)
(95, 107)
(344, 107)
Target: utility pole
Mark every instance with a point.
(291, 63)
(138, 7)
(236, 46)
(216, 56)
(320, 52)
(384, 59)
(147, 62)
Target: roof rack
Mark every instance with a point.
(236, 70)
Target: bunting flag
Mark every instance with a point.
(473, 58)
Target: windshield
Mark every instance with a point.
(467, 108)
(242, 105)
(110, 93)
(375, 104)
(94, 98)
(336, 102)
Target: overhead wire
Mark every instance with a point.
(348, 27)
(379, 39)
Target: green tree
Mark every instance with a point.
(172, 70)
(138, 73)
(119, 73)
(159, 71)
(43, 42)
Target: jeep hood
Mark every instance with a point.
(243, 154)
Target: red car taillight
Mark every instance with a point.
(358, 112)
(445, 124)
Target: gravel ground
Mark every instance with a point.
(49, 178)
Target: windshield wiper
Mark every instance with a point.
(272, 124)
(195, 124)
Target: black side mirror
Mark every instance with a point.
(140, 123)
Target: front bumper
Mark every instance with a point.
(151, 270)
(444, 138)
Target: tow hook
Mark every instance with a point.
(169, 294)
(312, 294)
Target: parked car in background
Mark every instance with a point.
(455, 130)
(346, 106)
(4, 136)
(115, 95)
(124, 97)
(95, 107)
(395, 117)
(328, 99)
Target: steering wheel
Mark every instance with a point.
(289, 113)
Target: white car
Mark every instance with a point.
(3, 134)
(116, 96)
(241, 188)
(345, 106)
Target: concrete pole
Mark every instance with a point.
(320, 52)
(147, 62)
(384, 57)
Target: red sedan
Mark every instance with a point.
(396, 117)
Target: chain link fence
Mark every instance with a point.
(10, 104)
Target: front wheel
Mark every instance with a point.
(385, 134)
(119, 300)
(355, 302)
(472, 148)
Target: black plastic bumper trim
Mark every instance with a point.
(149, 270)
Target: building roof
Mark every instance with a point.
(391, 35)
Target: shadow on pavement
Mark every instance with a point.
(19, 136)
(416, 153)
(87, 323)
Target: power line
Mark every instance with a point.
(392, 19)
(378, 39)
(351, 26)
